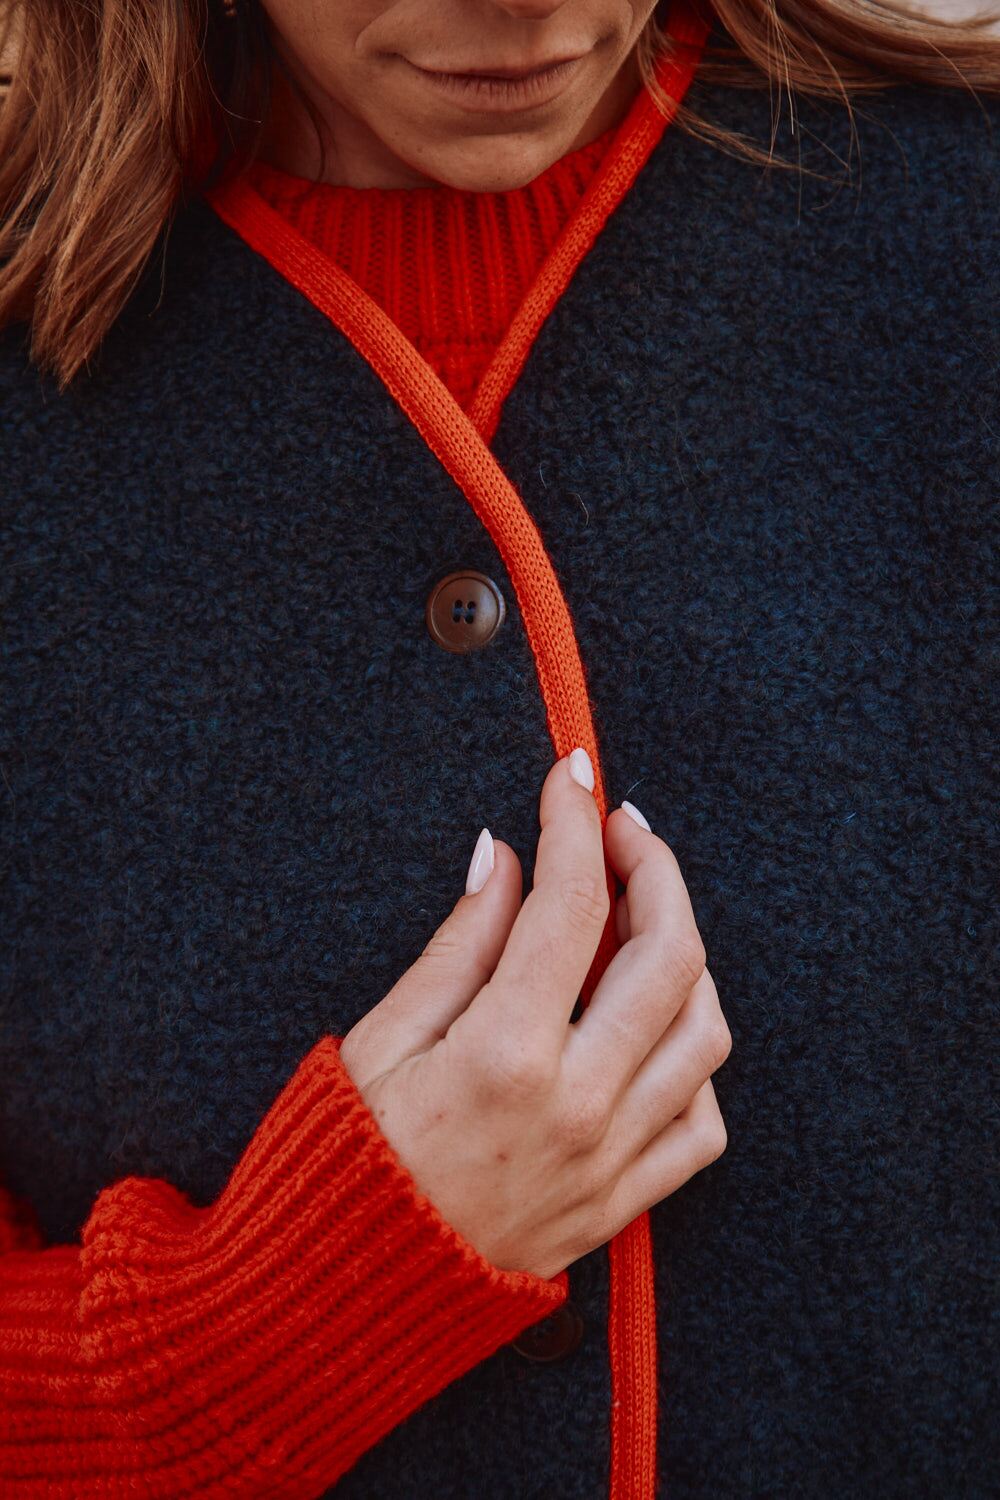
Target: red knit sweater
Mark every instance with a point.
(257, 1346)
(450, 267)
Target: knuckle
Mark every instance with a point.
(443, 947)
(513, 1069)
(447, 951)
(714, 1043)
(585, 901)
(713, 1138)
(582, 1122)
(690, 955)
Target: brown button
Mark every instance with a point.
(464, 610)
(553, 1338)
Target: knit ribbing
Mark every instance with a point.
(279, 1332)
(450, 267)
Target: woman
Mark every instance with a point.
(423, 414)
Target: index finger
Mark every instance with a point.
(557, 931)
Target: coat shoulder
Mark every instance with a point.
(902, 141)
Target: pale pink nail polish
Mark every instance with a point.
(481, 863)
(581, 769)
(636, 815)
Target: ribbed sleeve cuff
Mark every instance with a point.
(276, 1335)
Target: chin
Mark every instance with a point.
(488, 165)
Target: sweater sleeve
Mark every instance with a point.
(254, 1347)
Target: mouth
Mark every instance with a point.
(525, 70)
(503, 88)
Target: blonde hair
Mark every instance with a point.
(115, 110)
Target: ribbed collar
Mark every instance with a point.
(450, 266)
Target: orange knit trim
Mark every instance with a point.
(460, 442)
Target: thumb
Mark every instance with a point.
(457, 961)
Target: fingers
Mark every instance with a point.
(556, 933)
(454, 966)
(652, 974)
(688, 1144)
(654, 886)
(689, 1052)
(494, 1101)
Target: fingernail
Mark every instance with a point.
(634, 813)
(481, 863)
(580, 768)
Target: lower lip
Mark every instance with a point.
(497, 94)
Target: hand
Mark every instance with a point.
(536, 1139)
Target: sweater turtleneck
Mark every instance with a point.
(450, 266)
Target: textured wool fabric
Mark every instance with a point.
(757, 436)
(449, 266)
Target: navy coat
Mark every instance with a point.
(759, 436)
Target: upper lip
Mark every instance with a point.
(524, 71)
